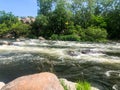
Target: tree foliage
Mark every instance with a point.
(10, 24)
(81, 20)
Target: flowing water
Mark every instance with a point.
(97, 63)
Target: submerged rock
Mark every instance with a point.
(41, 81)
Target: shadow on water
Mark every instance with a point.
(113, 53)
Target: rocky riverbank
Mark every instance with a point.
(40, 81)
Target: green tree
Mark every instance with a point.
(10, 24)
(6, 21)
(20, 29)
(3, 29)
(113, 24)
(60, 18)
(45, 6)
(95, 34)
(39, 27)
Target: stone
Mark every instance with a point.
(85, 51)
(94, 88)
(41, 38)
(8, 36)
(40, 81)
(2, 84)
(70, 85)
(6, 43)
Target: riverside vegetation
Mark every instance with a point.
(69, 20)
(81, 85)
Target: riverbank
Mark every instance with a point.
(44, 81)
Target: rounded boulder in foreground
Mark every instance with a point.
(40, 81)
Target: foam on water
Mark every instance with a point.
(111, 72)
(95, 52)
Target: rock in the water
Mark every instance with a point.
(41, 38)
(41, 81)
(72, 53)
(2, 84)
(8, 36)
(85, 51)
(6, 43)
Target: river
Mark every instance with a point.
(97, 63)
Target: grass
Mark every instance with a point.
(81, 85)
(63, 84)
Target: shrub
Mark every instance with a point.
(65, 37)
(70, 37)
(95, 34)
(54, 37)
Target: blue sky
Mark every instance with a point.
(19, 7)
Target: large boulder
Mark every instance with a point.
(2, 84)
(40, 81)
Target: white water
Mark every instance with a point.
(96, 52)
(65, 51)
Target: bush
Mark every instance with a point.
(70, 37)
(54, 37)
(95, 34)
(65, 37)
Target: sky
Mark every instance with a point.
(19, 7)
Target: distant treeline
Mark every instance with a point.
(73, 20)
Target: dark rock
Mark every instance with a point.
(85, 51)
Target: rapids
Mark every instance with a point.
(97, 63)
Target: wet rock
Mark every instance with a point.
(85, 51)
(18, 40)
(41, 38)
(72, 53)
(5, 43)
(21, 39)
(8, 36)
(41, 81)
(2, 84)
